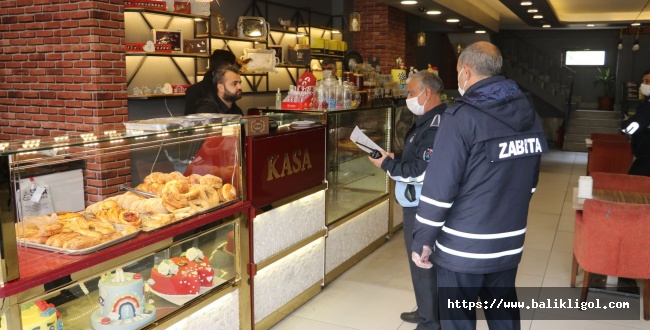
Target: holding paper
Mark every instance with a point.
(365, 143)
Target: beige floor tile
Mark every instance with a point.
(575, 325)
(358, 305)
(534, 262)
(537, 220)
(528, 281)
(299, 323)
(559, 265)
(546, 202)
(552, 282)
(567, 222)
(539, 239)
(563, 242)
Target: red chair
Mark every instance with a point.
(608, 137)
(610, 156)
(621, 182)
(613, 239)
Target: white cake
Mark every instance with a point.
(122, 301)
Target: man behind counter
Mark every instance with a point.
(227, 83)
(206, 88)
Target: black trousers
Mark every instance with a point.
(455, 288)
(424, 280)
(640, 167)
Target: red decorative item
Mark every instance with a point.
(183, 7)
(180, 88)
(306, 104)
(163, 48)
(134, 47)
(306, 81)
(146, 4)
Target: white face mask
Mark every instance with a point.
(415, 106)
(644, 89)
(461, 90)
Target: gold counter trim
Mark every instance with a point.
(291, 249)
(289, 307)
(354, 214)
(342, 268)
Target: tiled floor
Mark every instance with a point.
(372, 294)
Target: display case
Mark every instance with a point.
(125, 229)
(353, 181)
(357, 211)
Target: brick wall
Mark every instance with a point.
(63, 70)
(383, 33)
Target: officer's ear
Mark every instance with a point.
(221, 87)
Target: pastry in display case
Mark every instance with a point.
(80, 202)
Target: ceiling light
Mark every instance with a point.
(538, 17)
(532, 10)
(590, 25)
(635, 24)
(480, 31)
(453, 20)
(406, 2)
(546, 26)
(433, 12)
(526, 3)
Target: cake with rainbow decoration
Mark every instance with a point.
(38, 315)
(184, 275)
(122, 302)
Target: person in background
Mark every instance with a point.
(407, 169)
(329, 64)
(227, 84)
(483, 172)
(638, 127)
(206, 88)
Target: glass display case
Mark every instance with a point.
(353, 181)
(120, 229)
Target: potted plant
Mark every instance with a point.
(604, 78)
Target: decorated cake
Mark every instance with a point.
(38, 315)
(184, 275)
(122, 302)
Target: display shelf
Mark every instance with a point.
(153, 96)
(223, 37)
(165, 13)
(327, 56)
(168, 54)
(33, 274)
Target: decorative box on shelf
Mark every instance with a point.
(183, 7)
(304, 104)
(134, 47)
(163, 48)
(180, 88)
(146, 4)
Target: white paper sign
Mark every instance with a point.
(35, 198)
(358, 137)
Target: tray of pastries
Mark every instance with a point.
(175, 197)
(73, 232)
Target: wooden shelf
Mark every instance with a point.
(204, 35)
(153, 96)
(161, 12)
(167, 54)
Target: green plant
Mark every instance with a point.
(607, 81)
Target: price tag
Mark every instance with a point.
(36, 197)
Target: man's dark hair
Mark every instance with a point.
(646, 72)
(220, 73)
(328, 61)
(220, 58)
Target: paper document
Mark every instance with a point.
(358, 137)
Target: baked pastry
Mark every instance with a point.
(227, 192)
(176, 194)
(59, 239)
(50, 229)
(211, 180)
(81, 242)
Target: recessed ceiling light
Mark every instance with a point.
(636, 24)
(538, 17)
(407, 2)
(453, 20)
(479, 31)
(526, 3)
(532, 10)
(433, 12)
(590, 25)
(546, 26)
